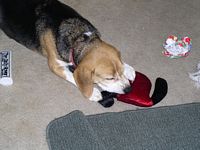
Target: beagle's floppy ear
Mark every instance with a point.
(84, 81)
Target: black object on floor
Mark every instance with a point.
(108, 99)
(160, 91)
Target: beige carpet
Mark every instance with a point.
(137, 27)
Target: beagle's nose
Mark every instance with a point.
(127, 89)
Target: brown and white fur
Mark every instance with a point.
(46, 27)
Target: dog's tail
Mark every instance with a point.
(160, 91)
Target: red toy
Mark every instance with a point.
(139, 94)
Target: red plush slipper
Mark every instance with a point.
(141, 88)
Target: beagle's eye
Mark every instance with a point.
(110, 78)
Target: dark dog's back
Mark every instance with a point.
(21, 19)
(26, 21)
(18, 20)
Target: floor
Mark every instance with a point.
(138, 28)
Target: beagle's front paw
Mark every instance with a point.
(96, 95)
(129, 72)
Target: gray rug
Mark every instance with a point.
(165, 128)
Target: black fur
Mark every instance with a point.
(25, 21)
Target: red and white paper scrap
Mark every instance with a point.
(176, 47)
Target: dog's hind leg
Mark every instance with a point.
(49, 49)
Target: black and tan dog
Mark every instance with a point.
(62, 35)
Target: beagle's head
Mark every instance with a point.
(103, 66)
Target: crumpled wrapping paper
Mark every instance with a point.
(176, 47)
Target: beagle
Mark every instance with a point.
(61, 34)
